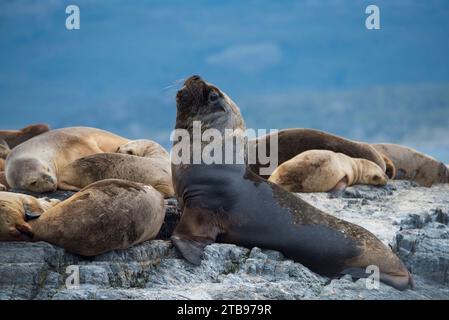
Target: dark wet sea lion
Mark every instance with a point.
(16, 137)
(292, 142)
(229, 203)
(413, 165)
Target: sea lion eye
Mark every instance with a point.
(213, 96)
(33, 183)
(129, 152)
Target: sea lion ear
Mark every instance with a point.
(191, 249)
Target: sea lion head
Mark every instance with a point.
(142, 148)
(13, 226)
(372, 174)
(198, 100)
(31, 174)
(35, 129)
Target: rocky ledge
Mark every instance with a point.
(414, 221)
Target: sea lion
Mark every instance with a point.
(231, 204)
(84, 171)
(2, 165)
(324, 170)
(106, 215)
(413, 165)
(145, 148)
(294, 141)
(16, 137)
(4, 149)
(35, 164)
(15, 210)
(3, 183)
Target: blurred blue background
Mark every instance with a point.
(285, 63)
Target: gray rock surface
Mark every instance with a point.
(413, 220)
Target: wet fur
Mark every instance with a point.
(231, 204)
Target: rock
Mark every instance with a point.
(423, 244)
(414, 220)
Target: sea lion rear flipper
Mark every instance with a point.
(191, 249)
(31, 215)
(399, 282)
(340, 187)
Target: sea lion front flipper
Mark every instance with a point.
(197, 229)
(339, 188)
(191, 250)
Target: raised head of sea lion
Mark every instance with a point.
(35, 165)
(16, 137)
(16, 210)
(229, 203)
(294, 141)
(324, 170)
(106, 215)
(413, 165)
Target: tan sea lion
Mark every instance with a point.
(324, 170)
(153, 171)
(413, 165)
(15, 210)
(2, 165)
(229, 203)
(292, 142)
(35, 165)
(106, 215)
(144, 148)
(16, 137)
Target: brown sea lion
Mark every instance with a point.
(153, 171)
(3, 183)
(324, 170)
(292, 142)
(16, 137)
(413, 165)
(106, 215)
(35, 164)
(15, 210)
(4, 149)
(229, 203)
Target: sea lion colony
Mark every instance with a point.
(133, 177)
